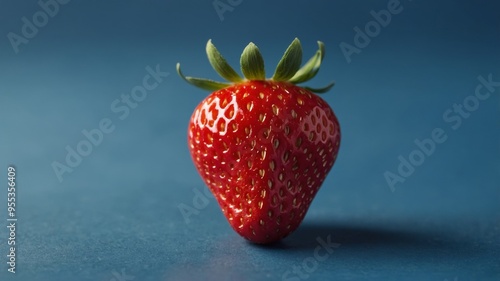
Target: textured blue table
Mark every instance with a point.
(114, 214)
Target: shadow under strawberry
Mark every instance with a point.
(308, 234)
(377, 241)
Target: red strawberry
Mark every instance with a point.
(263, 146)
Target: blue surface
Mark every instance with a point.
(116, 216)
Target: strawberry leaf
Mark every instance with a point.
(252, 64)
(252, 67)
(202, 83)
(290, 62)
(220, 65)
(311, 68)
(321, 90)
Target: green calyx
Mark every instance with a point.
(252, 67)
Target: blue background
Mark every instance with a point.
(116, 215)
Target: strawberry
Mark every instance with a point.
(263, 146)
